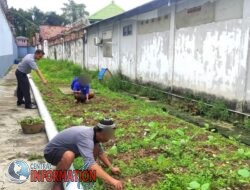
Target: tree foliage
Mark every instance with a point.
(73, 11)
(27, 22)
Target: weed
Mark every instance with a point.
(247, 123)
(218, 111)
(202, 107)
(34, 156)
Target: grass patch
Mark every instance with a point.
(152, 148)
(35, 156)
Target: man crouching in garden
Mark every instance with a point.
(83, 141)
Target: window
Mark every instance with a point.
(92, 47)
(107, 48)
(107, 43)
(127, 30)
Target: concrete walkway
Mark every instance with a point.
(14, 144)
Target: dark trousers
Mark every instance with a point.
(82, 98)
(23, 88)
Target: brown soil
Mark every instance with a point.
(179, 170)
(127, 156)
(147, 178)
(241, 187)
(209, 149)
(172, 126)
(233, 164)
(155, 118)
(200, 137)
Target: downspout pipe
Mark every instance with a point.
(50, 128)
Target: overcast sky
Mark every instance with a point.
(56, 5)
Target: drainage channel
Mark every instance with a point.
(184, 98)
(241, 134)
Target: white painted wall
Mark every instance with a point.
(46, 48)
(212, 58)
(92, 50)
(6, 47)
(153, 60)
(128, 50)
(208, 58)
(110, 62)
(71, 51)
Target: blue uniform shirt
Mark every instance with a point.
(78, 87)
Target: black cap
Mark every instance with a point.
(106, 124)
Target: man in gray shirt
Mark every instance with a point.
(83, 141)
(27, 64)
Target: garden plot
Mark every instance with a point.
(154, 149)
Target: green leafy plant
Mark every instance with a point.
(244, 173)
(218, 111)
(113, 150)
(35, 156)
(114, 83)
(31, 121)
(202, 108)
(247, 123)
(78, 121)
(196, 185)
(149, 144)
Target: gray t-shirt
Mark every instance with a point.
(27, 63)
(79, 139)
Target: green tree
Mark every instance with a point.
(37, 15)
(23, 22)
(73, 11)
(53, 19)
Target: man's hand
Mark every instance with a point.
(41, 76)
(117, 184)
(45, 82)
(115, 170)
(104, 176)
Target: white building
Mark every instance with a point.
(197, 45)
(8, 49)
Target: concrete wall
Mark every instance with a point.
(200, 45)
(217, 64)
(71, 51)
(128, 50)
(8, 51)
(203, 47)
(24, 50)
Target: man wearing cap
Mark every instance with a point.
(23, 87)
(83, 141)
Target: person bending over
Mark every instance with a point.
(81, 89)
(83, 141)
(27, 64)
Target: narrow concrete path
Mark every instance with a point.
(14, 144)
